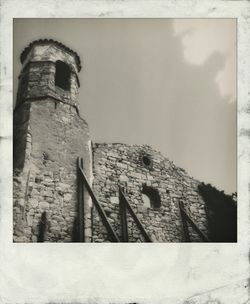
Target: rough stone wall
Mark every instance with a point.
(115, 164)
(50, 52)
(48, 138)
(38, 80)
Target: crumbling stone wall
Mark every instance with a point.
(48, 139)
(37, 80)
(121, 164)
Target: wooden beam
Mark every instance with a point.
(99, 208)
(135, 218)
(80, 203)
(124, 222)
(186, 218)
(195, 227)
(184, 224)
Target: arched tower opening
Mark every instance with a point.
(62, 76)
(50, 69)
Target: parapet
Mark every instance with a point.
(53, 43)
(50, 70)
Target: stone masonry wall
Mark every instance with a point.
(121, 164)
(48, 138)
(38, 80)
(48, 51)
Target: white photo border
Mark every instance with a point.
(121, 273)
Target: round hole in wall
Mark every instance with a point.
(146, 161)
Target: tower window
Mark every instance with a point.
(62, 78)
(151, 197)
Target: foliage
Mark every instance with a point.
(221, 214)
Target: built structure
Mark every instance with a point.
(67, 188)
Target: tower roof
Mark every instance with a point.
(59, 44)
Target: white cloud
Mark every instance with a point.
(203, 37)
(227, 78)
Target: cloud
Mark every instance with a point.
(201, 38)
(227, 77)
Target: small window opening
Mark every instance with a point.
(151, 197)
(62, 77)
(146, 161)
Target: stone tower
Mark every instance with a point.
(138, 194)
(49, 135)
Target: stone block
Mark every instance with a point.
(114, 200)
(29, 220)
(48, 193)
(135, 174)
(88, 232)
(113, 154)
(62, 186)
(193, 209)
(121, 165)
(34, 238)
(21, 202)
(49, 199)
(67, 197)
(123, 178)
(55, 229)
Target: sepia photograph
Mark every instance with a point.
(124, 122)
(124, 130)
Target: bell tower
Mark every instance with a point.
(49, 135)
(49, 70)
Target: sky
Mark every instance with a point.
(168, 83)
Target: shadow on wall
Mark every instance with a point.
(42, 228)
(221, 214)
